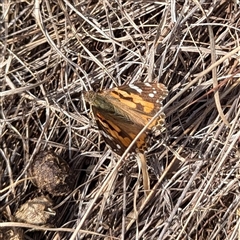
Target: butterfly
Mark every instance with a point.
(122, 112)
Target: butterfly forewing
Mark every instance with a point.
(122, 112)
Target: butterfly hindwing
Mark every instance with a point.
(119, 136)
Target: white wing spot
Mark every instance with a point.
(151, 95)
(118, 146)
(139, 90)
(155, 92)
(147, 84)
(106, 135)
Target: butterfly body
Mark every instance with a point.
(122, 112)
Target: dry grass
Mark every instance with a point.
(54, 50)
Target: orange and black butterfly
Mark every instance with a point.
(122, 112)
